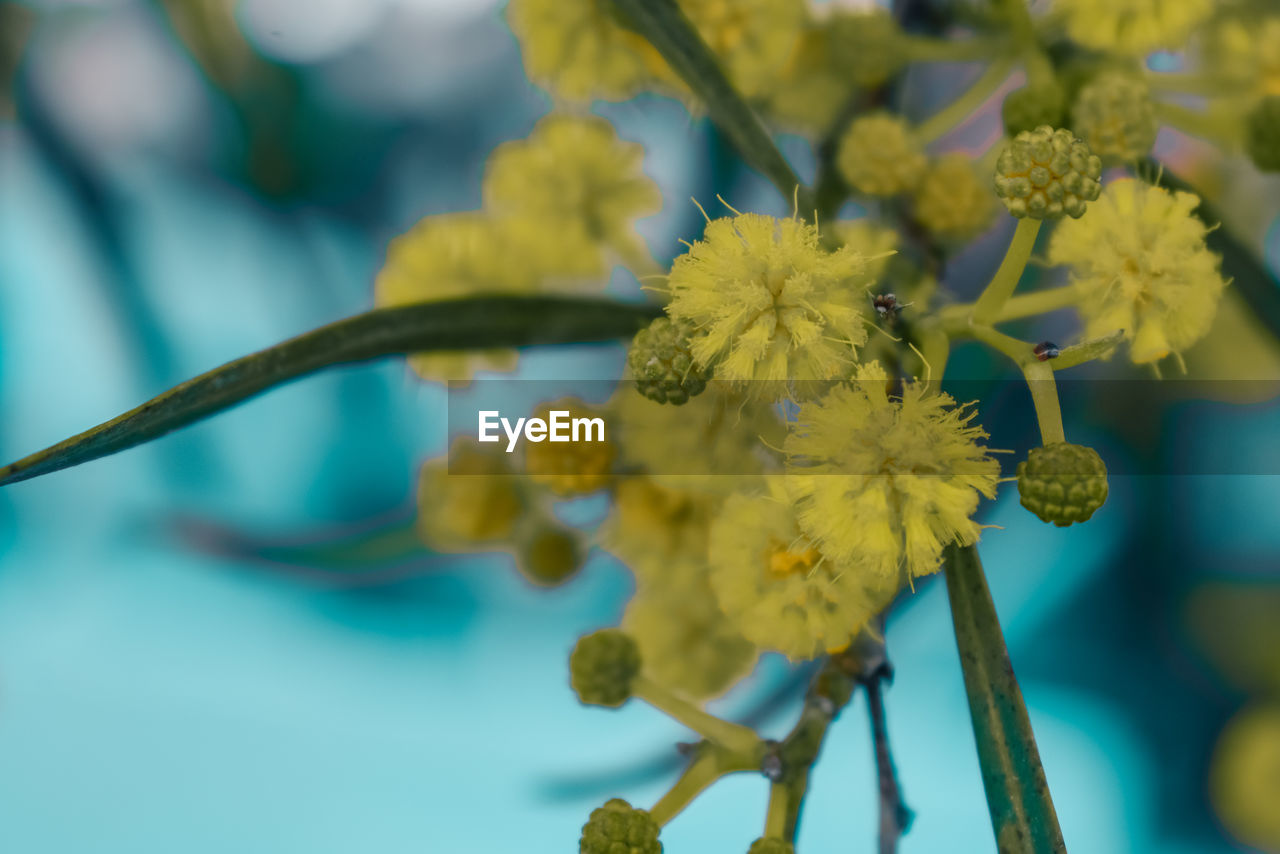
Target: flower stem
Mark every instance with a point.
(1002, 285)
(966, 105)
(775, 820)
(734, 737)
(700, 774)
(1214, 126)
(925, 49)
(1044, 394)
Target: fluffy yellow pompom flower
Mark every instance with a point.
(885, 483)
(653, 526)
(1132, 27)
(879, 156)
(952, 201)
(771, 306)
(469, 254)
(1244, 50)
(685, 641)
(470, 501)
(776, 586)
(575, 172)
(576, 467)
(1141, 265)
(579, 50)
(713, 444)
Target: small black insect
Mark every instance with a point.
(1046, 350)
(887, 306)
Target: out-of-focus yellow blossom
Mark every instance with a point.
(778, 588)
(579, 50)
(469, 501)
(1132, 27)
(810, 90)
(867, 45)
(1244, 777)
(952, 201)
(753, 38)
(1140, 264)
(653, 526)
(884, 483)
(879, 156)
(575, 467)
(771, 306)
(714, 443)
(573, 171)
(686, 642)
(876, 243)
(1244, 50)
(469, 254)
(1115, 116)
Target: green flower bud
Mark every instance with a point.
(602, 667)
(1262, 134)
(1032, 106)
(771, 845)
(548, 555)
(619, 828)
(1115, 117)
(662, 364)
(1046, 174)
(1062, 483)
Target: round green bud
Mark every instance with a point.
(1032, 106)
(1046, 174)
(1115, 117)
(1062, 483)
(771, 845)
(602, 667)
(619, 828)
(549, 555)
(1262, 134)
(662, 364)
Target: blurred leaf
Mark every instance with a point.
(15, 25)
(665, 27)
(475, 323)
(1022, 812)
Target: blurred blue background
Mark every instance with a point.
(225, 641)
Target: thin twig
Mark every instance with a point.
(895, 816)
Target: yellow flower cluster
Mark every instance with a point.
(1139, 261)
(1132, 27)
(1244, 51)
(770, 305)
(555, 202)
(879, 156)
(885, 483)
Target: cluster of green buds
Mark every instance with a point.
(662, 364)
(1262, 134)
(1063, 483)
(1046, 173)
(619, 828)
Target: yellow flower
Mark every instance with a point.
(469, 501)
(879, 156)
(810, 89)
(576, 467)
(714, 443)
(686, 642)
(1139, 261)
(654, 526)
(1244, 50)
(771, 306)
(753, 38)
(470, 254)
(1244, 778)
(952, 202)
(574, 172)
(1115, 116)
(1132, 27)
(774, 584)
(578, 49)
(884, 483)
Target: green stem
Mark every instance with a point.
(1002, 285)
(775, 820)
(665, 27)
(1087, 351)
(1218, 127)
(1183, 83)
(1039, 68)
(734, 737)
(1023, 817)
(925, 49)
(955, 318)
(935, 347)
(1044, 394)
(963, 107)
(700, 774)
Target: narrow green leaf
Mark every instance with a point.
(665, 27)
(475, 323)
(1022, 813)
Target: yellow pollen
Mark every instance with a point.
(783, 561)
